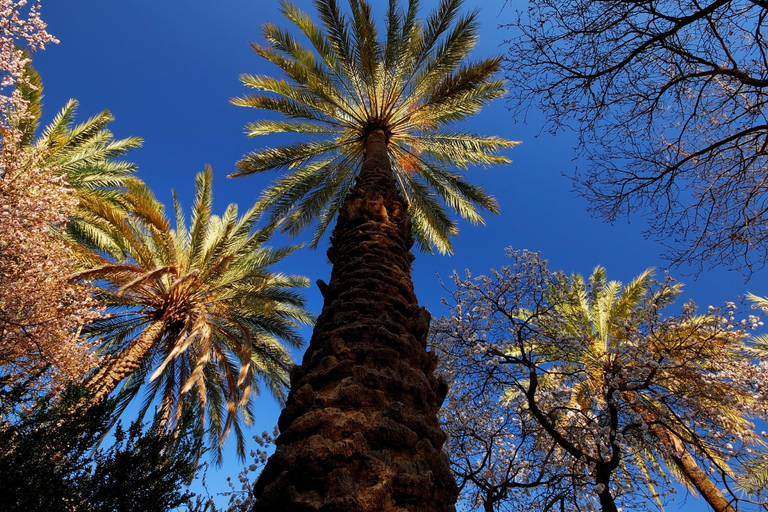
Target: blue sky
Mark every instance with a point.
(166, 70)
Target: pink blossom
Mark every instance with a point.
(41, 313)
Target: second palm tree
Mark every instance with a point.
(195, 312)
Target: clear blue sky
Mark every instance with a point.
(166, 70)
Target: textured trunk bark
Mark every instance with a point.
(105, 381)
(360, 432)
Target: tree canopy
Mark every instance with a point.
(194, 315)
(567, 391)
(668, 99)
(413, 86)
(51, 461)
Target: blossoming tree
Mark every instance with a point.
(40, 312)
(581, 394)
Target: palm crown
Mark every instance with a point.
(412, 87)
(196, 312)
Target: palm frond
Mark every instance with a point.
(416, 81)
(432, 227)
(330, 211)
(210, 288)
(267, 127)
(285, 158)
(201, 216)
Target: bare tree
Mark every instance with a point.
(668, 99)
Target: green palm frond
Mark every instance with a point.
(267, 127)
(286, 157)
(87, 154)
(412, 85)
(201, 217)
(330, 210)
(449, 54)
(313, 203)
(631, 296)
(461, 149)
(281, 197)
(226, 319)
(430, 222)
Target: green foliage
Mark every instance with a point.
(194, 313)
(413, 86)
(86, 153)
(141, 472)
(44, 450)
(49, 461)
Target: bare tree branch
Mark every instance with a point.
(668, 98)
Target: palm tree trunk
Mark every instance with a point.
(360, 432)
(683, 460)
(123, 364)
(693, 473)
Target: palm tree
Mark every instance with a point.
(196, 312)
(86, 154)
(659, 373)
(360, 430)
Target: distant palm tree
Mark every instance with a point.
(360, 430)
(86, 154)
(606, 318)
(195, 314)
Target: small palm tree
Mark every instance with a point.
(621, 364)
(86, 154)
(78, 150)
(195, 314)
(360, 430)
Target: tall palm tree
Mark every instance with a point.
(195, 312)
(360, 430)
(625, 365)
